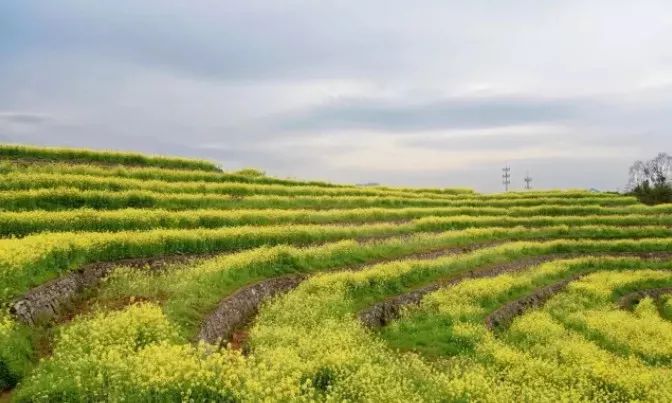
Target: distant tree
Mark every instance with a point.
(650, 180)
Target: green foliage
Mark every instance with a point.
(657, 194)
(108, 157)
(57, 199)
(25, 223)
(252, 172)
(16, 352)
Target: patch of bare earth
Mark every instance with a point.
(6, 396)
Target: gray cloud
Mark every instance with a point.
(501, 141)
(348, 91)
(25, 118)
(456, 113)
(218, 40)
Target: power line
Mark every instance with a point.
(528, 181)
(506, 177)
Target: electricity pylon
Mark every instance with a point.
(528, 181)
(506, 177)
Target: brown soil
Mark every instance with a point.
(238, 339)
(43, 343)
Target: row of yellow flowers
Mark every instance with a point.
(25, 222)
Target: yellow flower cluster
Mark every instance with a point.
(128, 355)
(6, 326)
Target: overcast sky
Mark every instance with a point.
(419, 93)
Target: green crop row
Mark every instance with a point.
(24, 181)
(175, 175)
(108, 157)
(461, 222)
(65, 199)
(31, 260)
(418, 329)
(20, 181)
(24, 223)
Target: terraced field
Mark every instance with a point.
(135, 278)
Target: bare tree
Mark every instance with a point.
(650, 180)
(652, 173)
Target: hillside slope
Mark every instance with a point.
(137, 278)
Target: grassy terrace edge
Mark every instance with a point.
(182, 175)
(10, 151)
(22, 223)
